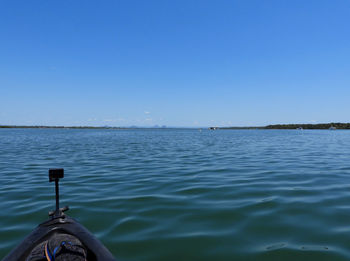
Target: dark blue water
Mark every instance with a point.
(185, 194)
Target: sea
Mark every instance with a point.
(184, 194)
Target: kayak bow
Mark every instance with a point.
(60, 238)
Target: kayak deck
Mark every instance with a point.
(62, 225)
(61, 235)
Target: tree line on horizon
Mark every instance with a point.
(319, 126)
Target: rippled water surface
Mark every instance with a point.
(185, 194)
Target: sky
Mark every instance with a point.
(181, 63)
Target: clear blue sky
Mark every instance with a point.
(174, 63)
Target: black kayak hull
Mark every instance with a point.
(67, 225)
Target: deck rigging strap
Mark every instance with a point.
(51, 257)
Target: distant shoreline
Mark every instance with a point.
(55, 127)
(320, 126)
(83, 127)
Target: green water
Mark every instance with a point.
(185, 194)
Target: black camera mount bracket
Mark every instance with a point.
(55, 175)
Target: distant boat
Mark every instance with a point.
(299, 128)
(332, 128)
(213, 128)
